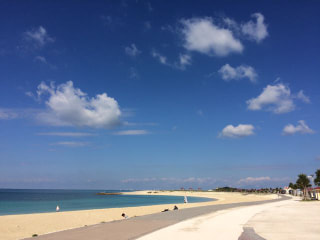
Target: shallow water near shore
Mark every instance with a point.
(22, 201)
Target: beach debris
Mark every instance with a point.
(124, 215)
(35, 235)
(175, 207)
(165, 210)
(57, 208)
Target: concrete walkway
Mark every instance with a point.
(222, 225)
(136, 227)
(295, 221)
(287, 220)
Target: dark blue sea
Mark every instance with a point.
(21, 201)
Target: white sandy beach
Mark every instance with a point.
(25, 225)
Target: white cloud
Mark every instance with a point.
(8, 114)
(189, 180)
(168, 28)
(71, 144)
(66, 134)
(302, 128)
(43, 60)
(275, 98)
(132, 50)
(133, 73)
(249, 181)
(184, 60)
(242, 130)
(232, 24)
(131, 132)
(40, 59)
(69, 106)
(162, 59)
(202, 35)
(38, 36)
(303, 97)
(18, 113)
(255, 30)
(254, 179)
(229, 73)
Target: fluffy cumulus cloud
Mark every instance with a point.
(242, 130)
(38, 36)
(202, 35)
(301, 128)
(69, 106)
(256, 30)
(131, 132)
(132, 50)
(228, 73)
(276, 98)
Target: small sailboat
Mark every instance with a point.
(185, 199)
(57, 208)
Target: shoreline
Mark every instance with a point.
(124, 207)
(25, 225)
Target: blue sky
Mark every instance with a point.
(158, 94)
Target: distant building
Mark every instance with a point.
(288, 190)
(314, 193)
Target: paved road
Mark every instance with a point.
(133, 228)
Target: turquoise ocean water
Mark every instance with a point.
(21, 201)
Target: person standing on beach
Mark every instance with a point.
(57, 208)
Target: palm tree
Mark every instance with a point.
(317, 178)
(303, 182)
